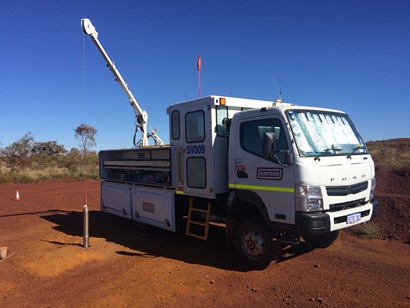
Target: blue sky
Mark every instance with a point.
(347, 55)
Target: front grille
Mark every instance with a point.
(346, 190)
(346, 205)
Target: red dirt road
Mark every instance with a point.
(130, 265)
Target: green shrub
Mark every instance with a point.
(47, 174)
(368, 229)
(28, 161)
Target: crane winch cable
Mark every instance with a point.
(85, 206)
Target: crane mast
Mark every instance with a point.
(140, 114)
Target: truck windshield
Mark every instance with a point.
(320, 133)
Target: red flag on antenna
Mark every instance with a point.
(198, 64)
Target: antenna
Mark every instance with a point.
(278, 93)
(280, 85)
(280, 89)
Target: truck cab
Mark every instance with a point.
(303, 171)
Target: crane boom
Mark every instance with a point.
(140, 114)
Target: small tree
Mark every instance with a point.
(47, 154)
(49, 148)
(86, 134)
(72, 159)
(17, 156)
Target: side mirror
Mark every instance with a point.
(268, 145)
(284, 157)
(226, 122)
(289, 158)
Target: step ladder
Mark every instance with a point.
(191, 222)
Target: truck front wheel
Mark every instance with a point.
(254, 245)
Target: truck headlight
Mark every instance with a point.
(308, 198)
(372, 188)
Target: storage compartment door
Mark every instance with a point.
(116, 199)
(154, 207)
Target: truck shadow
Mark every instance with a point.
(148, 241)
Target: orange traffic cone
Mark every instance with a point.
(17, 196)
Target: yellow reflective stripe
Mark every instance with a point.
(266, 188)
(179, 192)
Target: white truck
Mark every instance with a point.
(273, 173)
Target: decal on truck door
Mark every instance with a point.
(269, 174)
(239, 166)
(195, 149)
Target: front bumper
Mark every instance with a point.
(325, 222)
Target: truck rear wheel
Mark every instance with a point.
(254, 245)
(322, 240)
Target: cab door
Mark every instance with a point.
(262, 165)
(192, 139)
(197, 150)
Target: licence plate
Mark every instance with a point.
(352, 218)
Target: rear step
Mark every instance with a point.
(204, 225)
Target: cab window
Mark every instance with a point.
(195, 126)
(264, 138)
(196, 172)
(221, 115)
(175, 124)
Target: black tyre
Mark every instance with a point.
(254, 245)
(323, 240)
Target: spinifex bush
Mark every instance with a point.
(392, 153)
(368, 229)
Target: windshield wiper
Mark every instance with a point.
(359, 147)
(332, 148)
